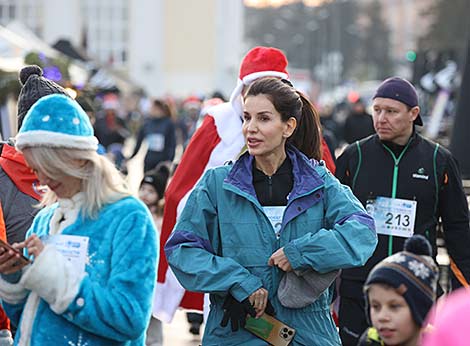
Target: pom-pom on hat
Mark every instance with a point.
(259, 62)
(56, 121)
(412, 273)
(34, 86)
(399, 89)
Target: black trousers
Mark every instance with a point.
(352, 318)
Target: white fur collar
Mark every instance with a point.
(66, 213)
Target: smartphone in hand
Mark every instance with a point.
(270, 330)
(22, 260)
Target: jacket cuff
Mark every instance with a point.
(53, 278)
(293, 255)
(12, 293)
(241, 291)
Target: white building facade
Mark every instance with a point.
(172, 47)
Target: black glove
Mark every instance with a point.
(269, 309)
(237, 312)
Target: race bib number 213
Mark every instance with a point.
(393, 216)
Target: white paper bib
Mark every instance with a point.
(393, 216)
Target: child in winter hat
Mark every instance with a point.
(153, 185)
(399, 292)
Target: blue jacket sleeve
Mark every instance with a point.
(192, 248)
(348, 239)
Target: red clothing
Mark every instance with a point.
(15, 167)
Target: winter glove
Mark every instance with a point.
(237, 312)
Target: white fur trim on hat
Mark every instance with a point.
(235, 97)
(38, 138)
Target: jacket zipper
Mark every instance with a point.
(394, 184)
(270, 188)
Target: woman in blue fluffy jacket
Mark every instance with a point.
(92, 248)
(252, 229)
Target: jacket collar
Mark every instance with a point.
(413, 140)
(306, 178)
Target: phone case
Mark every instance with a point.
(22, 261)
(270, 330)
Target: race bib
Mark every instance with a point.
(274, 215)
(73, 247)
(393, 216)
(156, 142)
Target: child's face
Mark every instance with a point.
(391, 316)
(148, 195)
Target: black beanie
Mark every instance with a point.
(158, 178)
(413, 273)
(34, 86)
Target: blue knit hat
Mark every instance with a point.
(412, 273)
(56, 121)
(399, 89)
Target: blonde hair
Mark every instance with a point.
(101, 181)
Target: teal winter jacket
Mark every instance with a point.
(223, 240)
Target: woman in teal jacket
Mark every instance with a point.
(277, 209)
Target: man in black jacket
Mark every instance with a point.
(408, 183)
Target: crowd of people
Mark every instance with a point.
(258, 221)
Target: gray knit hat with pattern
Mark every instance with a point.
(34, 86)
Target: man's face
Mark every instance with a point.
(393, 120)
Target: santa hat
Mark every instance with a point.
(258, 62)
(56, 121)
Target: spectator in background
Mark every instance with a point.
(110, 128)
(190, 110)
(358, 124)
(158, 130)
(87, 105)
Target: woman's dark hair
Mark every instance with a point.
(292, 103)
(163, 106)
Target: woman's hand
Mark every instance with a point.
(9, 260)
(259, 300)
(280, 260)
(33, 244)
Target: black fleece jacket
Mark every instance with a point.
(426, 173)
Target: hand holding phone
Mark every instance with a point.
(11, 259)
(270, 330)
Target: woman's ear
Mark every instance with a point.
(291, 125)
